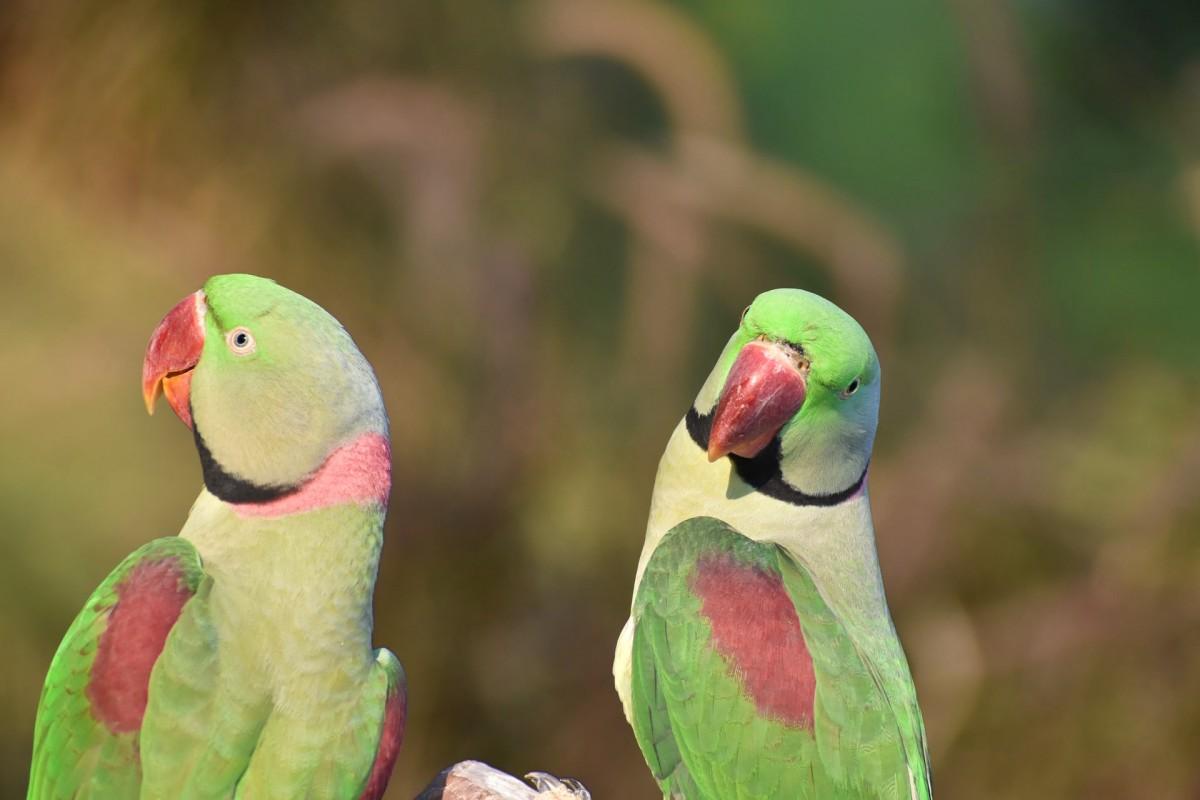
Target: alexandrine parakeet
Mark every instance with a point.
(235, 659)
(760, 661)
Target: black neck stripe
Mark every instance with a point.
(230, 487)
(763, 471)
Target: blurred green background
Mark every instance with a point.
(540, 220)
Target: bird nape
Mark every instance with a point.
(236, 658)
(760, 660)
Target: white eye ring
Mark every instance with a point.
(240, 341)
(851, 389)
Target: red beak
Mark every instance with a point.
(174, 349)
(765, 387)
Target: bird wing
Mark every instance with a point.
(394, 706)
(133, 705)
(89, 720)
(746, 685)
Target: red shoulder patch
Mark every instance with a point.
(149, 601)
(389, 745)
(755, 627)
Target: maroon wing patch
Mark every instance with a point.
(389, 744)
(755, 627)
(149, 601)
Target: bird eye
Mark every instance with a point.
(744, 313)
(240, 341)
(851, 389)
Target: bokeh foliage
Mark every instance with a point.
(540, 220)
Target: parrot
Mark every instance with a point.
(760, 660)
(235, 659)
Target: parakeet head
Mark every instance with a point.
(798, 384)
(270, 383)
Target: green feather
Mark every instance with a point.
(74, 754)
(704, 738)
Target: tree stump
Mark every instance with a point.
(474, 780)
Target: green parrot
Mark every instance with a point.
(760, 660)
(235, 660)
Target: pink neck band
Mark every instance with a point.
(359, 472)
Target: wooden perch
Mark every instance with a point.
(474, 780)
